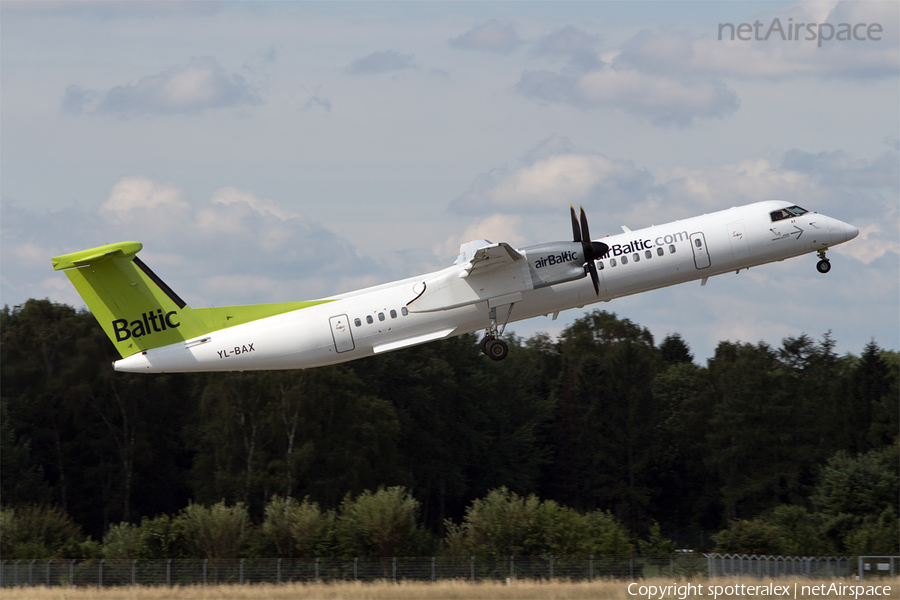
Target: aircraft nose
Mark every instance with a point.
(850, 231)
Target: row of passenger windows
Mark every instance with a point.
(636, 257)
(381, 317)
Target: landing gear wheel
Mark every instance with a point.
(496, 349)
(823, 266)
(484, 343)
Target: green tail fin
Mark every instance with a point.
(137, 310)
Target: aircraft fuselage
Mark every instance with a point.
(452, 301)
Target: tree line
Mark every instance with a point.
(791, 449)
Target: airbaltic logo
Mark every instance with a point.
(149, 323)
(555, 259)
(636, 245)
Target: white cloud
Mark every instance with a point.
(200, 85)
(493, 36)
(553, 181)
(235, 248)
(578, 46)
(132, 193)
(495, 228)
(664, 99)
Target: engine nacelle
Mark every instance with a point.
(557, 262)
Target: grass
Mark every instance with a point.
(462, 590)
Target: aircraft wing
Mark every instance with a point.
(488, 258)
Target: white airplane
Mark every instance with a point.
(488, 286)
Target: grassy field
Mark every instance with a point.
(463, 590)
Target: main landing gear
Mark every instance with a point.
(491, 344)
(824, 265)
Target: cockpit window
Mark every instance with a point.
(787, 213)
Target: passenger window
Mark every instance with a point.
(659, 251)
(393, 314)
(648, 254)
(600, 264)
(369, 319)
(357, 322)
(624, 260)
(612, 262)
(381, 316)
(671, 249)
(698, 243)
(403, 311)
(636, 257)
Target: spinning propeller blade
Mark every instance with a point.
(592, 250)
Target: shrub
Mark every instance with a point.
(293, 529)
(380, 525)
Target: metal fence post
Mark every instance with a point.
(356, 569)
(101, 571)
(133, 569)
(48, 572)
(860, 571)
(317, 570)
(512, 567)
(278, 572)
(16, 572)
(394, 569)
(472, 561)
(433, 574)
(72, 572)
(241, 569)
(169, 573)
(591, 568)
(205, 560)
(31, 571)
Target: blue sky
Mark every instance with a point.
(280, 151)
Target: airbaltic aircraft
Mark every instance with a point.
(488, 286)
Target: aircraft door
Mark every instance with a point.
(340, 331)
(740, 246)
(698, 245)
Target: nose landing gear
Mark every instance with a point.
(824, 265)
(491, 344)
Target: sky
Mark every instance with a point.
(280, 151)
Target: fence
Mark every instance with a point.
(172, 572)
(730, 565)
(877, 566)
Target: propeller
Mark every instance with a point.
(591, 250)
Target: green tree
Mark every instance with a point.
(751, 443)
(218, 531)
(380, 524)
(604, 435)
(755, 536)
(858, 497)
(685, 406)
(293, 529)
(505, 524)
(38, 532)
